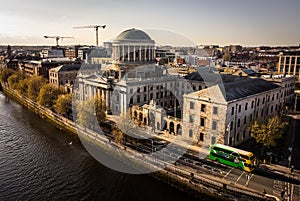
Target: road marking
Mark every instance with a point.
(249, 180)
(239, 177)
(227, 173)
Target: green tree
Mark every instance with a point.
(268, 134)
(48, 95)
(63, 105)
(5, 73)
(100, 107)
(35, 83)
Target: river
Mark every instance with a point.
(37, 163)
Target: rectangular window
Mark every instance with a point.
(151, 96)
(145, 98)
(252, 104)
(263, 102)
(191, 118)
(145, 89)
(258, 102)
(215, 110)
(202, 122)
(240, 108)
(190, 133)
(214, 125)
(231, 125)
(232, 111)
(201, 137)
(251, 117)
(138, 99)
(203, 107)
(239, 122)
(246, 106)
(245, 120)
(192, 105)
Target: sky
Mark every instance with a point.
(202, 22)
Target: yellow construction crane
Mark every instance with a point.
(57, 38)
(96, 27)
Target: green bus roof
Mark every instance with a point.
(234, 149)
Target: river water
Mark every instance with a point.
(37, 163)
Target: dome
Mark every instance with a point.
(133, 34)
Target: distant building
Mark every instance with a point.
(13, 64)
(289, 63)
(64, 76)
(41, 67)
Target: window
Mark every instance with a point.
(232, 111)
(245, 120)
(277, 96)
(271, 109)
(258, 102)
(190, 133)
(273, 97)
(145, 98)
(252, 104)
(138, 99)
(145, 89)
(199, 88)
(215, 110)
(244, 134)
(202, 122)
(192, 105)
(239, 122)
(157, 95)
(213, 140)
(214, 125)
(262, 112)
(201, 137)
(203, 107)
(263, 102)
(138, 90)
(191, 118)
(151, 96)
(240, 108)
(251, 116)
(246, 106)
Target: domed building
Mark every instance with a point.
(133, 48)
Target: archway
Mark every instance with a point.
(172, 128)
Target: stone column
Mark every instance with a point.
(128, 57)
(290, 65)
(295, 65)
(145, 53)
(140, 53)
(123, 53)
(134, 53)
(284, 63)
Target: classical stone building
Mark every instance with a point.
(223, 113)
(289, 63)
(132, 48)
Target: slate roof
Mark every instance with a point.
(235, 90)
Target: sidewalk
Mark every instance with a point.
(279, 169)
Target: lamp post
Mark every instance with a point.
(228, 133)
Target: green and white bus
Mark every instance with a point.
(233, 157)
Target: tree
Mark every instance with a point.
(268, 134)
(5, 73)
(63, 105)
(14, 79)
(35, 83)
(226, 57)
(23, 87)
(118, 135)
(90, 111)
(48, 95)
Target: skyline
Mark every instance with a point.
(255, 23)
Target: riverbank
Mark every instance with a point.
(173, 176)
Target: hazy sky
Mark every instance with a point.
(223, 22)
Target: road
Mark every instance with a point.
(273, 183)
